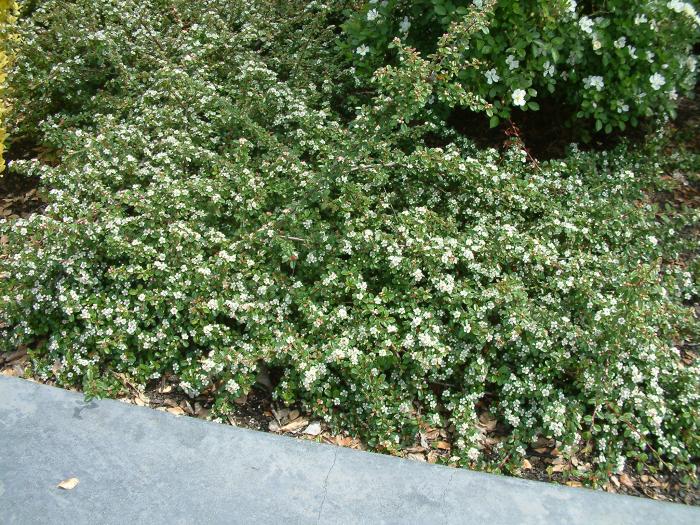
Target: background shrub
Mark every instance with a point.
(7, 13)
(610, 63)
(210, 212)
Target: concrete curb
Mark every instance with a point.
(138, 465)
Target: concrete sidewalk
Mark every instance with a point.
(138, 465)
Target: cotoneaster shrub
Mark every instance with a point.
(606, 62)
(210, 214)
(7, 13)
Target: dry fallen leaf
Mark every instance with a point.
(542, 442)
(574, 484)
(432, 434)
(295, 425)
(487, 421)
(344, 441)
(416, 456)
(626, 481)
(443, 445)
(560, 468)
(423, 440)
(16, 355)
(491, 441)
(526, 465)
(176, 411)
(68, 484)
(11, 372)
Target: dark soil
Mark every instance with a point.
(546, 134)
(19, 196)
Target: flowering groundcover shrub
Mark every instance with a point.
(611, 62)
(210, 213)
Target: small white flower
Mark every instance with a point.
(594, 81)
(549, 69)
(372, 15)
(362, 50)
(519, 97)
(586, 25)
(597, 45)
(405, 25)
(492, 76)
(395, 261)
(620, 42)
(657, 80)
(677, 6)
(512, 63)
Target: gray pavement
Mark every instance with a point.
(138, 465)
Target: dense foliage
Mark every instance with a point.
(612, 62)
(7, 14)
(210, 211)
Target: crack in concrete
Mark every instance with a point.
(444, 492)
(325, 486)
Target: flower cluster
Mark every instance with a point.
(212, 212)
